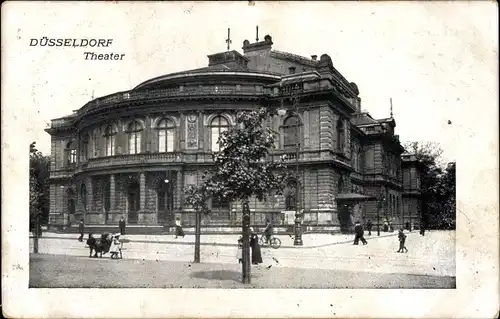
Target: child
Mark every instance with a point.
(178, 228)
(115, 247)
(239, 254)
(402, 239)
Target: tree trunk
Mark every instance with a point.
(197, 234)
(246, 264)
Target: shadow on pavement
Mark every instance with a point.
(229, 275)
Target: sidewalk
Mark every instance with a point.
(71, 272)
(230, 240)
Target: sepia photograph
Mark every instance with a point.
(249, 154)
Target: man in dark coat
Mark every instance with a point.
(422, 229)
(369, 227)
(92, 243)
(81, 229)
(358, 234)
(122, 224)
(254, 244)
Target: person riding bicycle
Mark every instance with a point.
(268, 231)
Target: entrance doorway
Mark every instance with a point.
(133, 202)
(71, 206)
(165, 199)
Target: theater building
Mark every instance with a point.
(132, 153)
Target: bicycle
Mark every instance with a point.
(274, 242)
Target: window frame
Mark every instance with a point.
(214, 143)
(169, 126)
(295, 130)
(134, 130)
(110, 140)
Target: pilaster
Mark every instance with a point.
(90, 194)
(306, 129)
(182, 132)
(112, 189)
(142, 190)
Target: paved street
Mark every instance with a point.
(433, 254)
(52, 271)
(323, 261)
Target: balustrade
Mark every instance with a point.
(130, 159)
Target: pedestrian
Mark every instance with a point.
(81, 229)
(422, 229)
(358, 234)
(268, 231)
(254, 244)
(408, 226)
(402, 239)
(122, 224)
(92, 243)
(386, 227)
(178, 228)
(114, 248)
(239, 253)
(369, 227)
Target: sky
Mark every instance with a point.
(437, 61)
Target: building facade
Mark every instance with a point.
(132, 153)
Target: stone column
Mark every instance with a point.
(142, 190)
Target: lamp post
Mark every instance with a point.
(380, 200)
(295, 112)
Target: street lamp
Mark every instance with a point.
(282, 111)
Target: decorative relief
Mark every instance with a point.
(192, 132)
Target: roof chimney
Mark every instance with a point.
(314, 57)
(262, 45)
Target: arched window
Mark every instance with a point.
(291, 132)
(85, 147)
(166, 130)
(218, 125)
(291, 195)
(70, 153)
(340, 136)
(83, 196)
(134, 130)
(110, 137)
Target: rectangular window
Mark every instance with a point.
(215, 137)
(219, 205)
(161, 141)
(138, 142)
(131, 143)
(170, 140)
(110, 145)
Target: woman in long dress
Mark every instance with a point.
(254, 244)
